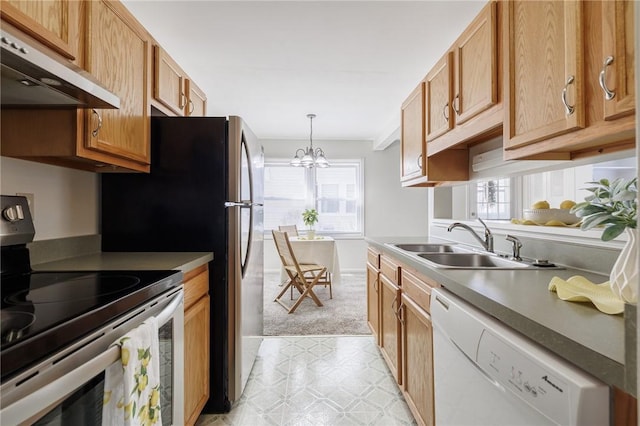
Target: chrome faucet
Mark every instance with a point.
(517, 245)
(487, 243)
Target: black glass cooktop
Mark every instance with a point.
(42, 312)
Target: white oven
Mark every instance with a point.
(67, 387)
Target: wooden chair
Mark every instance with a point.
(302, 277)
(292, 230)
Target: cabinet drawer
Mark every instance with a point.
(373, 258)
(196, 285)
(390, 269)
(416, 289)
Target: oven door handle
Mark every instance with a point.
(26, 410)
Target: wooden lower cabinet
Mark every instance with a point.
(196, 343)
(625, 408)
(417, 365)
(373, 303)
(389, 338)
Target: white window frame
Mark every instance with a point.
(515, 187)
(312, 196)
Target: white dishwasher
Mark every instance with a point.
(487, 374)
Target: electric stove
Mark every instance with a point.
(43, 312)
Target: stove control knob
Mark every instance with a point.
(13, 213)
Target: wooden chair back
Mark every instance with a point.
(292, 230)
(283, 246)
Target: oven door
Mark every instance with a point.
(68, 387)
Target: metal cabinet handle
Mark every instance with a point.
(456, 104)
(375, 285)
(569, 109)
(95, 131)
(182, 100)
(419, 161)
(608, 94)
(399, 313)
(445, 111)
(191, 107)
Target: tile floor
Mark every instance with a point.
(318, 380)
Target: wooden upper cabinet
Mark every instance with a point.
(197, 100)
(617, 78)
(438, 90)
(578, 38)
(118, 55)
(476, 75)
(544, 62)
(464, 93)
(169, 83)
(417, 167)
(175, 93)
(54, 23)
(412, 150)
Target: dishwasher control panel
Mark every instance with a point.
(527, 379)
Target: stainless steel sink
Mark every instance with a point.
(471, 261)
(427, 248)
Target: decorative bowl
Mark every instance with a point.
(543, 216)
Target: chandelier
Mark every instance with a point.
(309, 157)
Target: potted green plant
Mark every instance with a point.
(310, 218)
(614, 206)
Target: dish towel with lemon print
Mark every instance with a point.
(132, 386)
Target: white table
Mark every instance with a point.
(320, 250)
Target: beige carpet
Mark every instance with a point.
(345, 314)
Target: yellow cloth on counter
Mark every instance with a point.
(580, 289)
(549, 223)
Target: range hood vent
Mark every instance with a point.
(31, 78)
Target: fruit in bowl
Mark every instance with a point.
(540, 205)
(542, 213)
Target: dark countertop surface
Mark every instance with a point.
(183, 261)
(578, 332)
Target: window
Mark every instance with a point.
(566, 184)
(336, 192)
(504, 198)
(493, 199)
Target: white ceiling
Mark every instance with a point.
(271, 62)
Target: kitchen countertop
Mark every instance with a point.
(578, 332)
(183, 261)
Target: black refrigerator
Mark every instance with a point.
(204, 194)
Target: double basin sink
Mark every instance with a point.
(452, 256)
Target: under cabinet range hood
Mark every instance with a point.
(31, 78)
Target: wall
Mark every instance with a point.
(390, 210)
(65, 200)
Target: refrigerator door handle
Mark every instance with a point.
(241, 204)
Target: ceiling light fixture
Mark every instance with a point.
(309, 157)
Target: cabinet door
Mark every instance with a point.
(118, 56)
(476, 67)
(544, 65)
(53, 23)
(197, 102)
(169, 82)
(417, 351)
(196, 356)
(373, 301)
(438, 88)
(390, 343)
(412, 142)
(617, 78)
